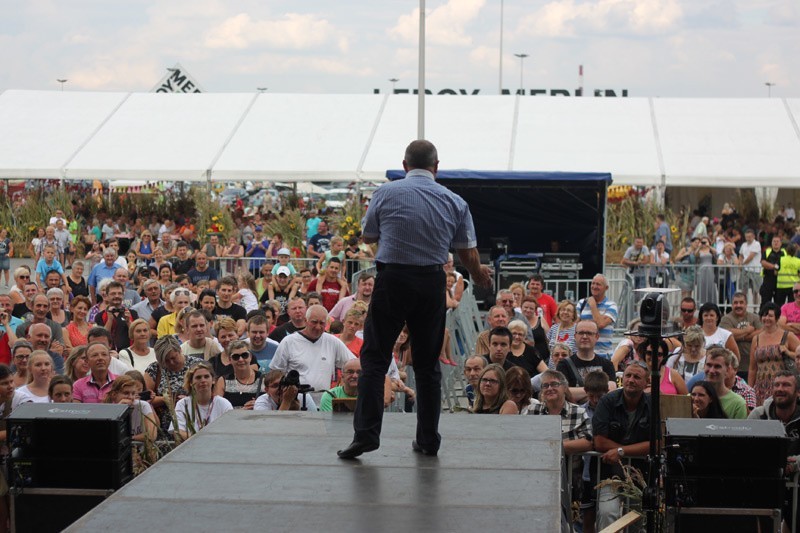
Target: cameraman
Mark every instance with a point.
(280, 396)
(116, 318)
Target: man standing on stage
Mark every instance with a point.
(416, 221)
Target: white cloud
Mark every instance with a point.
(568, 18)
(293, 31)
(445, 25)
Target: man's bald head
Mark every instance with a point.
(421, 154)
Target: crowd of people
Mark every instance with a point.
(717, 258)
(182, 336)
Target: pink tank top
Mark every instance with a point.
(667, 387)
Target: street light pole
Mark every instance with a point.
(421, 89)
(62, 82)
(521, 63)
(394, 83)
(769, 85)
(500, 76)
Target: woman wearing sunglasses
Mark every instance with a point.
(518, 383)
(242, 384)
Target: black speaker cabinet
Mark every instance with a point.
(710, 447)
(69, 446)
(50, 513)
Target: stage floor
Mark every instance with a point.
(271, 471)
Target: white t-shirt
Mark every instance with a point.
(754, 265)
(118, 367)
(248, 300)
(266, 403)
(29, 396)
(140, 410)
(138, 362)
(719, 337)
(316, 362)
(686, 370)
(207, 414)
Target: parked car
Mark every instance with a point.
(229, 196)
(337, 198)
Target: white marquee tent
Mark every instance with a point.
(304, 137)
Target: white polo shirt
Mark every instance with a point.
(316, 361)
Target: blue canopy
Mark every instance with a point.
(505, 175)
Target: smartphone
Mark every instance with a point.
(146, 395)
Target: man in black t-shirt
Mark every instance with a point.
(203, 272)
(297, 320)
(585, 360)
(226, 307)
(499, 347)
(184, 262)
(116, 318)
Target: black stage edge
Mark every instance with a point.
(276, 472)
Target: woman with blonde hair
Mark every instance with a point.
(77, 364)
(492, 396)
(201, 406)
(40, 370)
(563, 328)
(139, 355)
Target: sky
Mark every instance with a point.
(651, 48)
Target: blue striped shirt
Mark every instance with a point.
(416, 221)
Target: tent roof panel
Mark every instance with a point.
(324, 135)
(470, 132)
(588, 135)
(161, 136)
(741, 141)
(42, 129)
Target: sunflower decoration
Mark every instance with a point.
(348, 223)
(618, 193)
(216, 224)
(349, 227)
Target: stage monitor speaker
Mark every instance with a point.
(69, 446)
(735, 448)
(50, 513)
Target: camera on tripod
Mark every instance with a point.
(654, 311)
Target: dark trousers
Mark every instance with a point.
(768, 290)
(416, 299)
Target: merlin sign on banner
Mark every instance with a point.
(177, 80)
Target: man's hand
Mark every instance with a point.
(611, 457)
(57, 347)
(483, 277)
(288, 395)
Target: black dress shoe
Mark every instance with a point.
(355, 449)
(419, 449)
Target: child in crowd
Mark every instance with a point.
(595, 385)
(337, 250)
(60, 389)
(283, 260)
(49, 263)
(246, 295)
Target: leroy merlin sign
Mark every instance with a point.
(177, 80)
